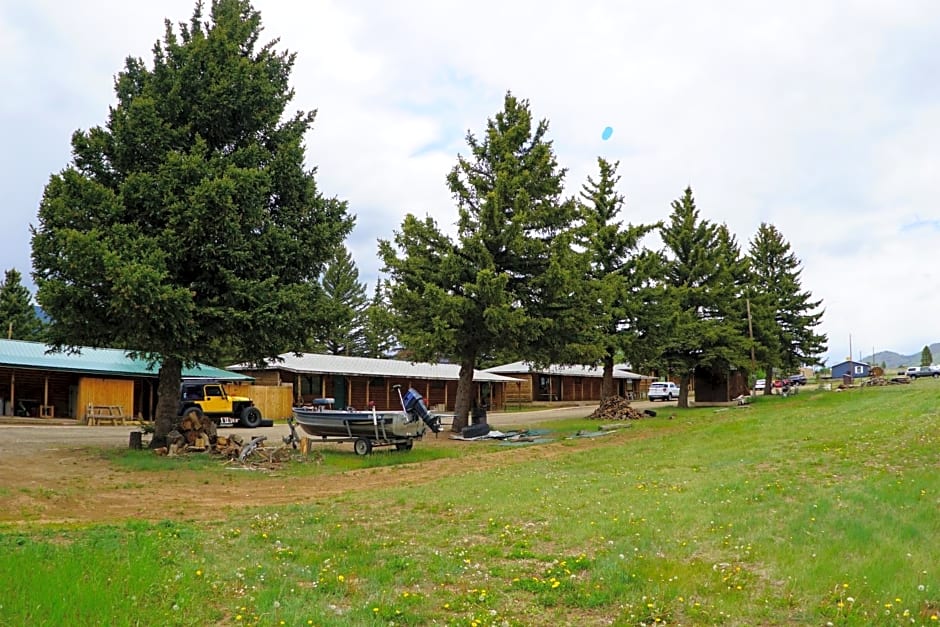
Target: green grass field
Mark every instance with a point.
(814, 509)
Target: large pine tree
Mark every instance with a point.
(378, 330)
(188, 227)
(705, 326)
(509, 281)
(620, 275)
(18, 319)
(926, 357)
(346, 302)
(786, 316)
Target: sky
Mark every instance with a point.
(821, 117)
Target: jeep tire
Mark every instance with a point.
(251, 417)
(193, 413)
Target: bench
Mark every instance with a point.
(101, 414)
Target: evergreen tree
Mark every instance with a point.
(188, 228)
(704, 282)
(378, 326)
(926, 357)
(17, 314)
(620, 275)
(510, 279)
(345, 303)
(788, 314)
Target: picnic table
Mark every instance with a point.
(100, 414)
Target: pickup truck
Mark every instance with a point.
(915, 372)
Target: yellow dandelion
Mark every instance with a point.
(199, 573)
(375, 610)
(340, 578)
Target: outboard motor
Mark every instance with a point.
(414, 405)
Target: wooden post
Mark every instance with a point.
(750, 330)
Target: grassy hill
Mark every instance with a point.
(813, 509)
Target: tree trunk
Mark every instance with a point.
(683, 391)
(769, 380)
(168, 393)
(464, 394)
(607, 383)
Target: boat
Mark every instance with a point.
(368, 429)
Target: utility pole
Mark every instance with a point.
(750, 330)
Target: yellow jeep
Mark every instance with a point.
(208, 398)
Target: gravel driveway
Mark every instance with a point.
(17, 438)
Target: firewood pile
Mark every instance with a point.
(200, 435)
(616, 408)
(878, 381)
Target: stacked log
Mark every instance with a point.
(615, 408)
(199, 434)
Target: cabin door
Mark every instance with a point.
(339, 392)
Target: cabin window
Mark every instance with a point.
(377, 382)
(310, 385)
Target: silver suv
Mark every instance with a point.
(663, 391)
(923, 371)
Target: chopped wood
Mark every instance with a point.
(615, 408)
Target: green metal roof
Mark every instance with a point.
(102, 361)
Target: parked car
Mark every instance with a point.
(759, 385)
(797, 379)
(663, 391)
(922, 371)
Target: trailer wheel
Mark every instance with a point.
(362, 446)
(404, 446)
(251, 417)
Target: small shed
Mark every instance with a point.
(854, 368)
(717, 385)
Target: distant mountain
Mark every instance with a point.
(896, 360)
